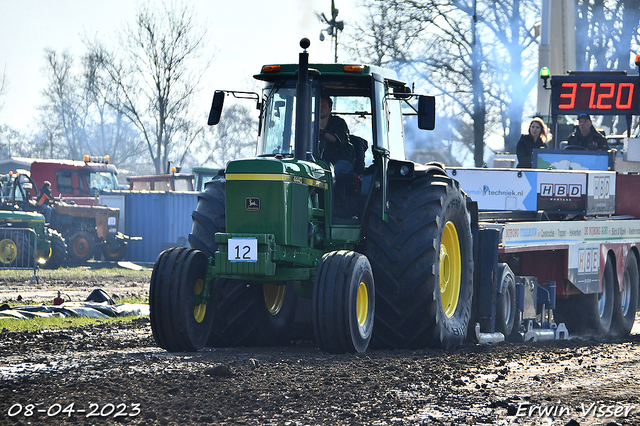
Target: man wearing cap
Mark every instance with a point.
(587, 136)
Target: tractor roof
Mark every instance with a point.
(276, 72)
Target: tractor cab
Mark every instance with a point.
(372, 103)
(351, 101)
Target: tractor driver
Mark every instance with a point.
(587, 136)
(335, 146)
(45, 200)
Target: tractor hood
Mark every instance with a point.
(282, 169)
(272, 196)
(16, 217)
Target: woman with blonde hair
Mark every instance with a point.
(536, 138)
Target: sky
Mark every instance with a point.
(243, 36)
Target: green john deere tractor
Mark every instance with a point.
(381, 256)
(16, 247)
(17, 241)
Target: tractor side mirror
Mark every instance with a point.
(216, 108)
(427, 112)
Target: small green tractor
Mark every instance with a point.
(24, 239)
(89, 230)
(381, 257)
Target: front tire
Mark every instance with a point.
(423, 264)
(178, 322)
(115, 253)
(343, 302)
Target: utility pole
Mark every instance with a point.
(333, 28)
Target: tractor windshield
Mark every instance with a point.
(351, 104)
(278, 135)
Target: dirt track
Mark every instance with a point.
(116, 374)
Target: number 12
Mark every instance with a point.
(246, 255)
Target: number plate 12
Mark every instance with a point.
(243, 249)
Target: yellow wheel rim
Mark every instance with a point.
(8, 251)
(274, 297)
(362, 304)
(450, 269)
(199, 311)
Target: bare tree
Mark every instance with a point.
(3, 86)
(435, 41)
(234, 137)
(608, 38)
(111, 132)
(63, 111)
(460, 49)
(512, 23)
(152, 78)
(77, 121)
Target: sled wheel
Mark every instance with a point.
(179, 323)
(505, 301)
(422, 262)
(590, 314)
(115, 253)
(81, 246)
(343, 302)
(57, 253)
(626, 299)
(602, 321)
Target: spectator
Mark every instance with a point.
(535, 138)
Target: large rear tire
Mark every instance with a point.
(251, 314)
(343, 302)
(590, 314)
(178, 322)
(209, 217)
(423, 264)
(626, 300)
(246, 314)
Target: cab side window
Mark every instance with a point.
(64, 182)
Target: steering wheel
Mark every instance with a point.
(575, 148)
(334, 135)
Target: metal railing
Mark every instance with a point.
(18, 249)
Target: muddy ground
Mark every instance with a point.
(115, 374)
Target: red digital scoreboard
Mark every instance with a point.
(598, 94)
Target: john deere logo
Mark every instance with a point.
(252, 204)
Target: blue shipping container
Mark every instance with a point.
(161, 218)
